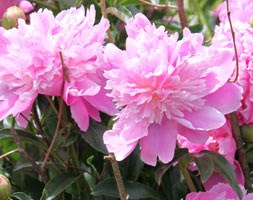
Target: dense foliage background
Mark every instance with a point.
(76, 167)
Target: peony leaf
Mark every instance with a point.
(135, 190)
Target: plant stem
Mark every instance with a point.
(158, 5)
(9, 153)
(241, 151)
(234, 44)
(56, 133)
(181, 12)
(116, 171)
(104, 13)
(28, 157)
(187, 176)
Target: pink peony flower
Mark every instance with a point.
(220, 191)
(166, 87)
(240, 10)
(31, 64)
(244, 43)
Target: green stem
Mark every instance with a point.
(187, 176)
(43, 4)
(202, 20)
(75, 162)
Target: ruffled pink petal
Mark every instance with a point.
(226, 99)
(160, 142)
(79, 114)
(123, 138)
(23, 118)
(204, 119)
(194, 136)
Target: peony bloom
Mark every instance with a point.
(165, 87)
(244, 43)
(220, 191)
(240, 10)
(31, 64)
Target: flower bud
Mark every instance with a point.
(251, 21)
(11, 16)
(247, 132)
(5, 188)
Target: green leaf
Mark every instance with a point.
(21, 196)
(57, 185)
(94, 137)
(179, 154)
(128, 2)
(205, 166)
(223, 167)
(5, 134)
(135, 190)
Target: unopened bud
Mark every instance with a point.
(251, 21)
(247, 133)
(5, 188)
(11, 16)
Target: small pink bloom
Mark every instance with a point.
(164, 86)
(220, 191)
(240, 10)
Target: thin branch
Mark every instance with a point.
(162, 6)
(56, 133)
(52, 105)
(115, 12)
(9, 153)
(181, 12)
(28, 157)
(116, 171)
(241, 151)
(234, 44)
(38, 124)
(104, 13)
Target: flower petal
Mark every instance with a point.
(160, 142)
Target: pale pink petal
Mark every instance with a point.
(204, 119)
(79, 114)
(23, 118)
(226, 99)
(194, 136)
(159, 143)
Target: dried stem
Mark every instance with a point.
(56, 133)
(181, 12)
(240, 150)
(158, 5)
(9, 153)
(116, 171)
(38, 124)
(187, 176)
(52, 105)
(234, 44)
(104, 13)
(27, 157)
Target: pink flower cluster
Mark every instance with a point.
(220, 191)
(31, 64)
(165, 87)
